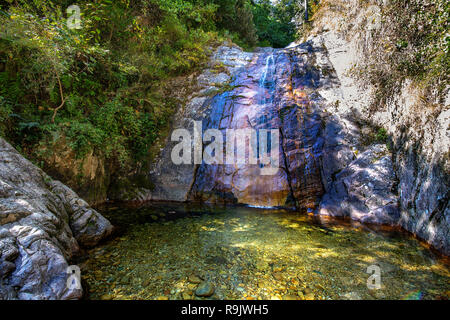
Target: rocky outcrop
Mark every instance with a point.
(418, 129)
(268, 89)
(365, 190)
(42, 225)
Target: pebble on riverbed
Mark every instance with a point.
(195, 279)
(204, 289)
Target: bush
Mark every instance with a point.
(275, 23)
(414, 44)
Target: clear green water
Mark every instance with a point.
(248, 253)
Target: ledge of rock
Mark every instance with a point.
(42, 224)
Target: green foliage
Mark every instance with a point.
(303, 26)
(425, 31)
(413, 43)
(235, 19)
(106, 76)
(5, 113)
(275, 22)
(376, 135)
(382, 136)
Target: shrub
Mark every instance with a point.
(413, 45)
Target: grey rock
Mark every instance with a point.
(42, 224)
(420, 134)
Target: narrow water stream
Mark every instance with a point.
(245, 253)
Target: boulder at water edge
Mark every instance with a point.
(42, 224)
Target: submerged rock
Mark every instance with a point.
(351, 296)
(42, 224)
(186, 296)
(195, 279)
(278, 276)
(204, 289)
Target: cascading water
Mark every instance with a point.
(251, 105)
(266, 95)
(268, 71)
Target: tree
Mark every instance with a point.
(275, 22)
(237, 16)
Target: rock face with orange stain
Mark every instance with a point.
(269, 90)
(286, 90)
(250, 105)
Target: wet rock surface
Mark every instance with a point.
(269, 89)
(204, 289)
(173, 182)
(247, 253)
(42, 224)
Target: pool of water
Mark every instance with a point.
(162, 251)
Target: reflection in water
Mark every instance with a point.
(246, 253)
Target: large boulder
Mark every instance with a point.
(364, 191)
(42, 225)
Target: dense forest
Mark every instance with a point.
(100, 85)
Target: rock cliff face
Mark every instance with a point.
(260, 95)
(292, 90)
(42, 225)
(89, 176)
(363, 191)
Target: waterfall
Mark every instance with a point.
(269, 69)
(269, 63)
(266, 83)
